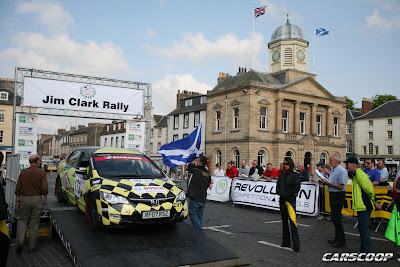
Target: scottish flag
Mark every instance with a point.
(320, 32)
(183, 150)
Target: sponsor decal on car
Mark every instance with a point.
(149, 189)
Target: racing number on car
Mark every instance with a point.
(79, 185)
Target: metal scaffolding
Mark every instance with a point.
(21, 73)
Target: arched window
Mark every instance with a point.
(261, 158)
(370, 148)
(323, 158)
(218, 157)
(236, 158)
(289, 154)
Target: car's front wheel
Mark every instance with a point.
(59, 192)
(92, 214)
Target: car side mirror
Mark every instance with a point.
(81, 170)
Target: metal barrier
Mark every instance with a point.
(11, 182)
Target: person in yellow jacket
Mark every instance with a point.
(363, 201)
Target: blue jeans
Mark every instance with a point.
(363, 229)
(196, 209)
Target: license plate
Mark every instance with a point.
(155, 214)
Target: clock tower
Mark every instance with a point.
(288, 49)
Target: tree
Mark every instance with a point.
(378, 100)
(351, 104)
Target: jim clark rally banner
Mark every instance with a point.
(263, 194)
(25, 138)
(81, 96)
(219, 188)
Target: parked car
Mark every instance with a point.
(50, 166)
(119, 187)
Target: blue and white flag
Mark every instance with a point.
(183, 150)
(320, 32)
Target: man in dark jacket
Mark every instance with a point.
(302, 172)
(256, 169)
(197, 191)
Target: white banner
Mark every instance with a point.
(25, 138)
(219, 188)
(263, 194)
(81, 96)
(135, 133)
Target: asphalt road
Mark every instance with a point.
(254, 234)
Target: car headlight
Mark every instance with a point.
(113, 199)
(181, 196)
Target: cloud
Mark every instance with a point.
(169, 86)
(195, 47)
(382, 23)
(60, 53)
(53, 16)
(149, 35)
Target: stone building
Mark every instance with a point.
(86, 136)
(351, 116)
(270, 116)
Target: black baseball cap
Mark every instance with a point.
(352, 160)
(320, 164)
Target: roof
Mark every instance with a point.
(189, 109)
(81, 130)
(243, 78)
(352, 114)
(10, 99)
(163, 122)
(288, 31)
(157, 118)
(388, 109)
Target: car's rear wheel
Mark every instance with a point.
(92, 214)
(59, 192)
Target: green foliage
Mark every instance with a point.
(378, 100)
(351, 104)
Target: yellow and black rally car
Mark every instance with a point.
(119, 187)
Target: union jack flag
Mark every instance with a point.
(259, 11)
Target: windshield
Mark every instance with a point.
(125, 165)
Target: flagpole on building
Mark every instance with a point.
(253, 39)
(315, 29)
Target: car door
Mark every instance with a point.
(81, 183)
(69, 174)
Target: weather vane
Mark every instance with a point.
(287, 16)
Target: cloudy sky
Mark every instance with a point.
(185, 44)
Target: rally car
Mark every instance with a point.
(50, 166)
(119, 187)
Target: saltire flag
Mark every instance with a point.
(183, 150)
(259, 11)
(320, 32)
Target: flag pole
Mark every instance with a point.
(253, 39)
(315, 30)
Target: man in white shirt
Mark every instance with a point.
(384, 173)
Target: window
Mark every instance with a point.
(73, 158)
(4, 96)
(370, 122)
(105, 141)
(348, 128)
(158, 146)
(236, 158)
(1, 115)
(370, 135)
(174, 137)
(116, 141)
(285, 121)
(119, 126)
(302, 123)
(186, 120)
(184, 135)
(114, 127)
(196, 119)
(108, 128)
(390, 134)
(288, 57)
(122, 141)
(203, 100)
(112, 142)
(188, 102)
(336, 126)
(318, 125)
(151, 148)
(289, 154)
(218, 157)
(176, 121)
(389, 121)
(235, 118)
(159, 132)
(390, 150)
(370, 148)
(151, 132)
(263, 118)
(349, 146)
(1, 137)
(365, 150)
(218, 121)
(377, 150)
(322, 158)
(261, 158)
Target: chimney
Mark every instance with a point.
(222, 76)
(366, 105)
(59, 131)
(73, 128)
(80, 126)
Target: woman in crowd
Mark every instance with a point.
(218, 171)
(287, 187)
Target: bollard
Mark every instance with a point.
(51, 171)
